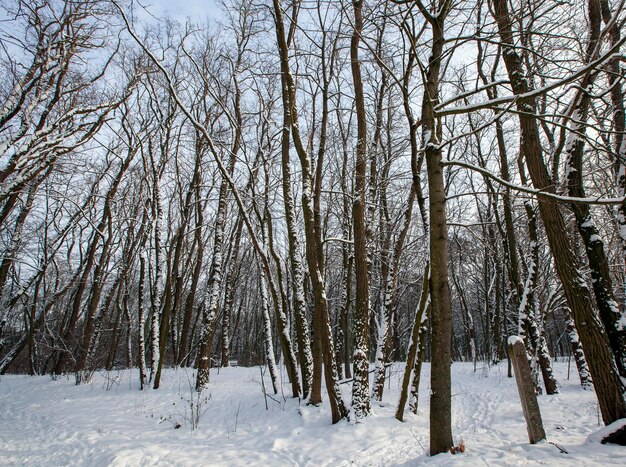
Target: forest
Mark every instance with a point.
(322, 189)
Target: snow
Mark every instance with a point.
(54, 422)
(514, 340)
(595, 238)
(602, 433)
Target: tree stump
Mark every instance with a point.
(530, 407)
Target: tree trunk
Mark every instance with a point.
(229, 295)
(594, 246)
(441, 303)
(321, 319)
(141, 305)
(579, 356)
(267, 334)
(360, 386)
(609, 388)
(530, 407)
(413, 350)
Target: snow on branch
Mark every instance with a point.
(532, 191)
(440, 110)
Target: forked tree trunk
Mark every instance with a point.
(305, 356)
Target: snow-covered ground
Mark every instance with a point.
(110, 422)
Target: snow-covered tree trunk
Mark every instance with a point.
(614, 74)
(305, 356)
(212, 293)
(390, 302)
(419, 360)
(378, 232)
(360, 386)
(440, 418)
(608, 386)
(141, 301)
(601, 281)
(115, 334)
(472, 337)
(414, 343)
(314, 252)
(267, 334)
(280, 298)
(157, 285)
(525, 386)
(129, 333)
(348, 257)
(383, 344)
(229, 295)
(545, 362)
(538, 356)
(579, 356)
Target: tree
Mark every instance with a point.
(608, 386)
(360, 389)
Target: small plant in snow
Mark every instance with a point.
(111, 380)
(196, 404)
(190, 407)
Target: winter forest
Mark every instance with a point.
(322, 217)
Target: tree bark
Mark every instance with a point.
(360, 386)
(530, 407)
(602, 284)
(609, 388)
(441, 302)
(414, 343)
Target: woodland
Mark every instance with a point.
(320, 188)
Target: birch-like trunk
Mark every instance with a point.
(213, 293)
(141, 303)
(579, 356)
(267, 334)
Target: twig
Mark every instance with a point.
(263, 387)
(237, 417)
(561, 449)
(418, 441)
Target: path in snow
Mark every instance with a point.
(46, 422)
